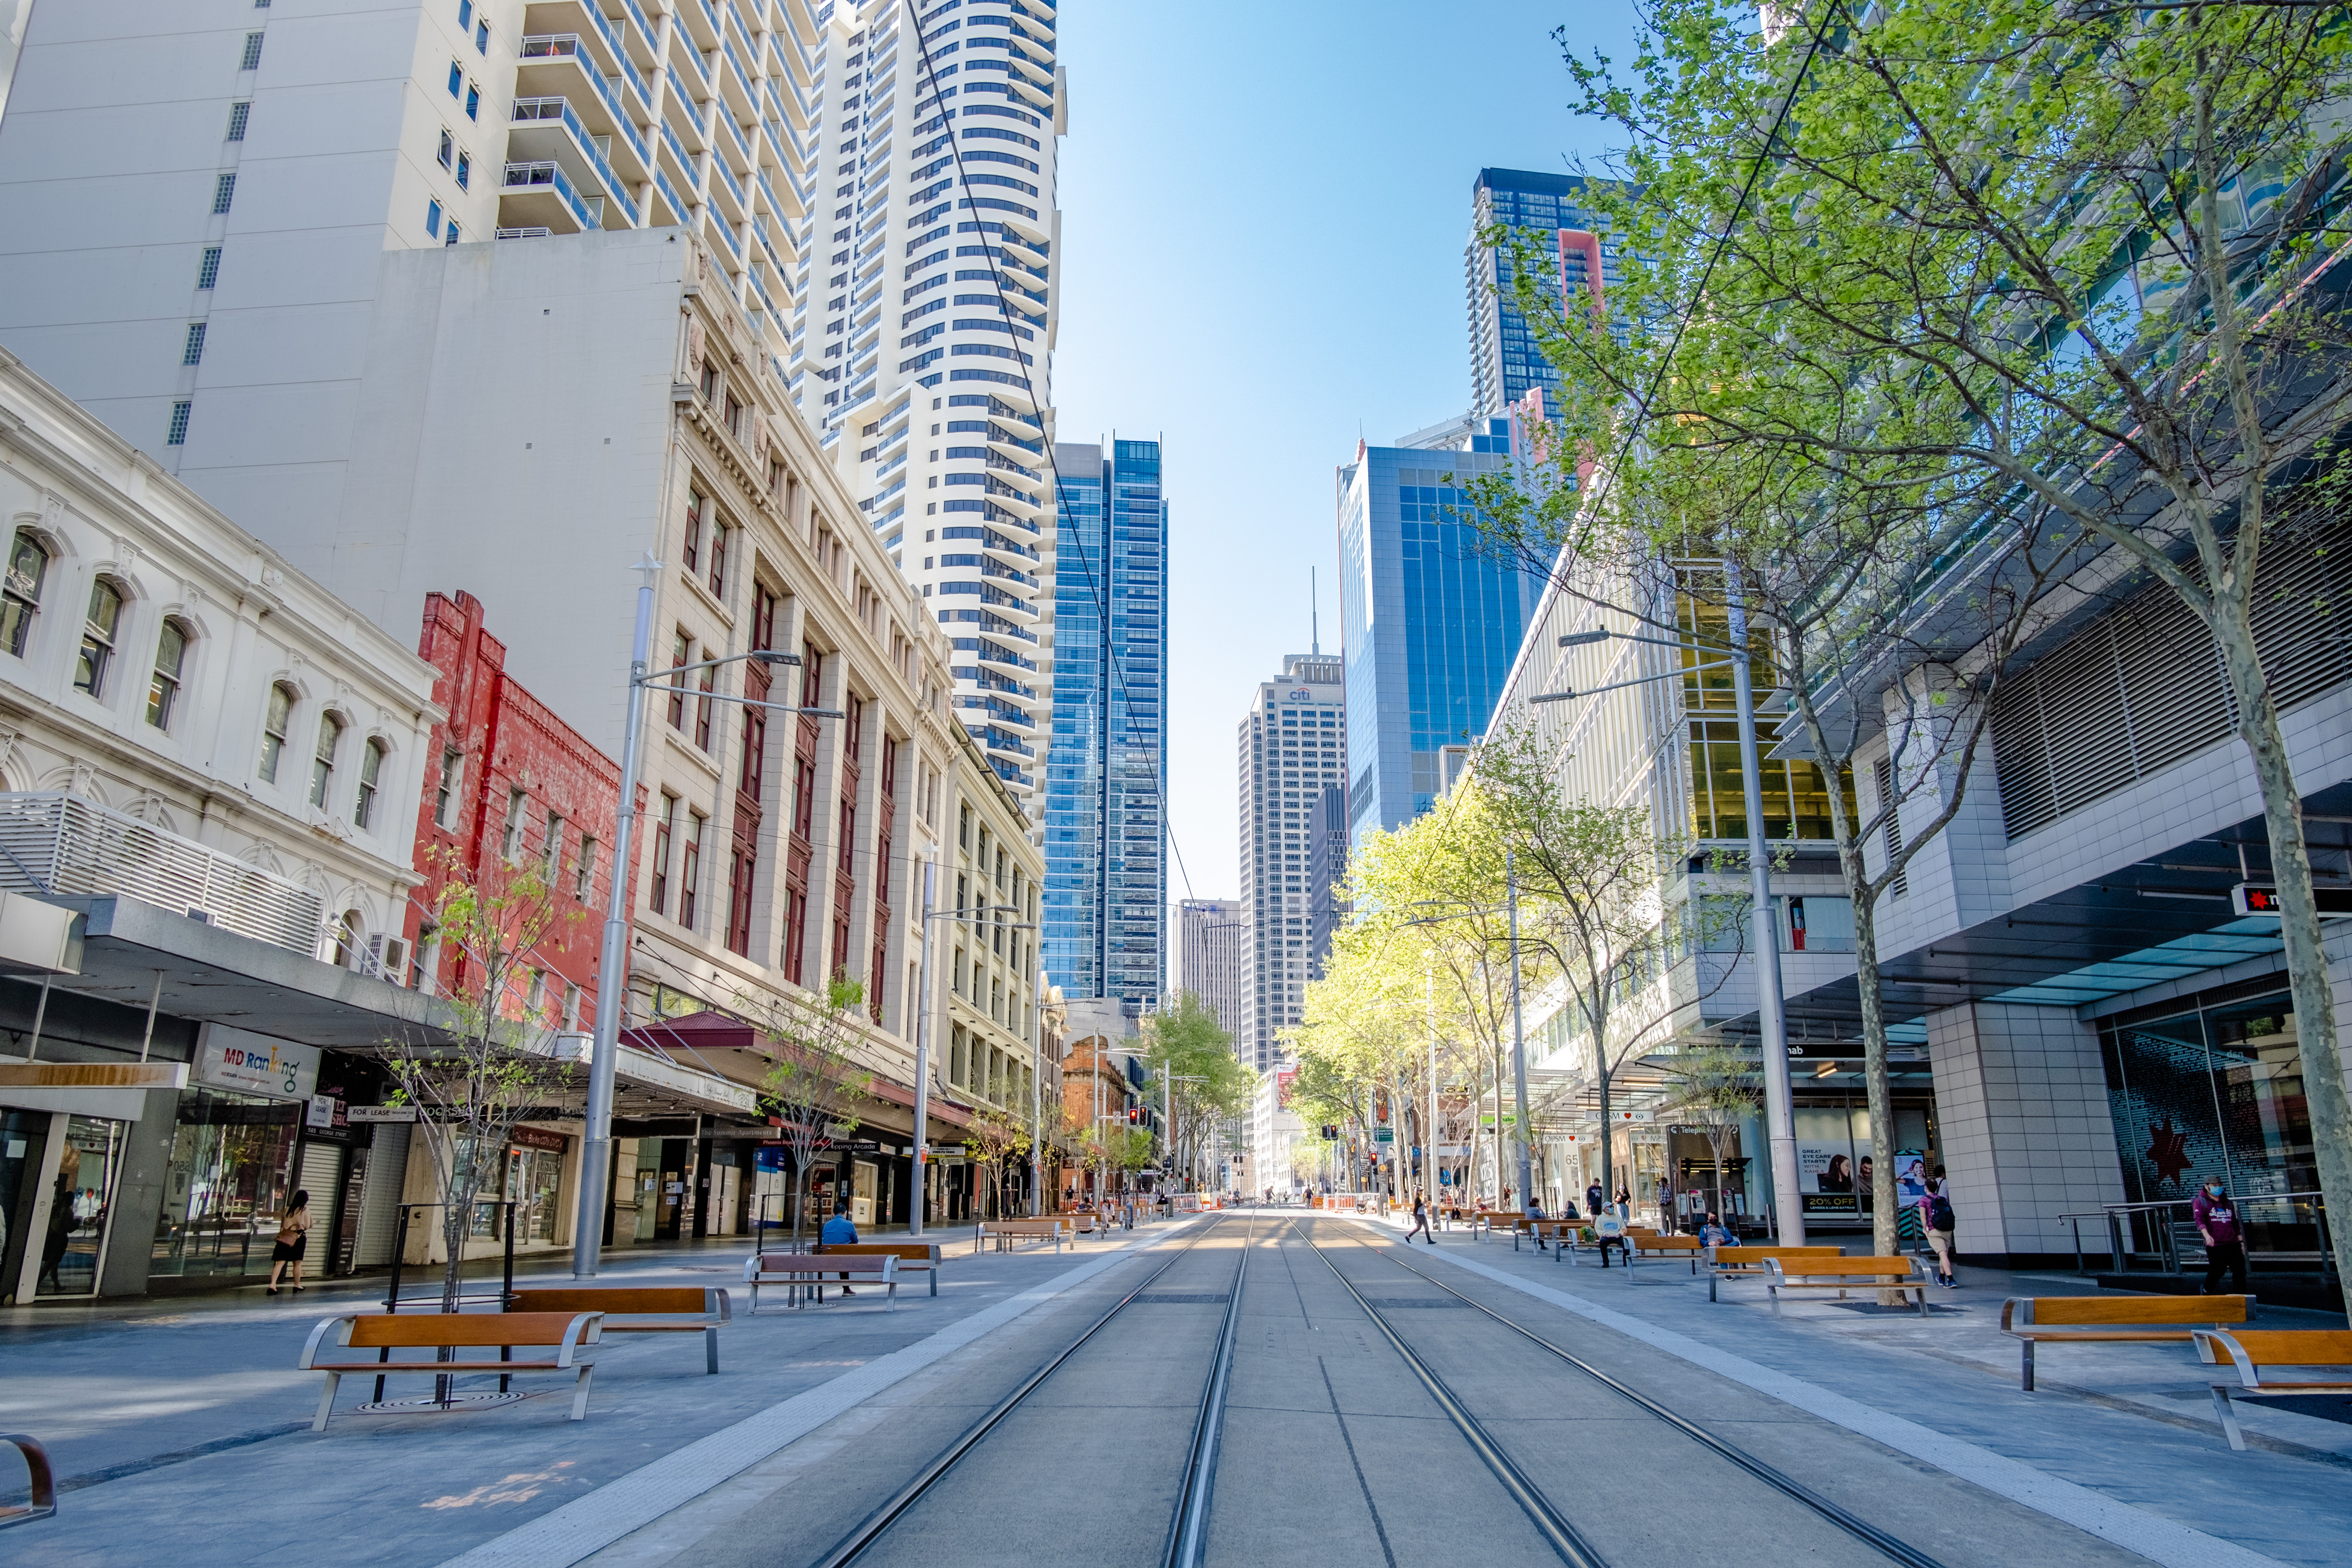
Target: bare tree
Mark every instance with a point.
(815, 1085)
(1711, 1089)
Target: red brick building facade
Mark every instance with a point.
(506, 778)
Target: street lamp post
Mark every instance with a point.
(613, 963)
(1771, 1017)
(1518, 1042)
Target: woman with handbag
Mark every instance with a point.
(293, 1239)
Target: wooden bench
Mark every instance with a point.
(2251, 1351)
(41, 1478)
(1805, 1275)
(1484, 1221)
(798, 1272)
(1748, 1263)
(1005, 1232)
(641, 1309)
(2037, 1319)
(914, 1256)
(568, 1331)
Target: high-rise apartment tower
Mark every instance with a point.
(925, 349)
(1504, 359)
(1294, 743)
(1106, 815)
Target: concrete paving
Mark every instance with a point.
(189, 1409)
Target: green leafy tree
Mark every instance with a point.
(1208, 1086)
(1713, 1089)
(995, 1143)
(490, 1063)
(816, 1085)
(2017, 254)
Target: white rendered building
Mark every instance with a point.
(174, 690)
(1293, 743)
(1275, 1131)
(924, 353)
(203, 194)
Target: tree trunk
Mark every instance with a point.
(2306, 960)
(1880, 1095)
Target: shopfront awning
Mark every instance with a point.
(209, 974)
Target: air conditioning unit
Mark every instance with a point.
(387, 959)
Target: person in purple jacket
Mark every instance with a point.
(2225, 1245)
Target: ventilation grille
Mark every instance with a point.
(2143, 688)
(1883, 773)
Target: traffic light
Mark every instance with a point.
(1135, 1115)
(1330, 1135)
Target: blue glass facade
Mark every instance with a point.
(1106, 821)
(1433, 624)
(1504, 357)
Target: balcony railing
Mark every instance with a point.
(69, 847)
(530, 110)
(547, 174)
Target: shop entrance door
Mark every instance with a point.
(24, 1141)
(866, 1185)
(673, 1204)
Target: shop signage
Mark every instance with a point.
(380, 1113)
(248, 1063)
(1621, 1117)
(534, 1138)
(1384, 1135)
(322, 1111)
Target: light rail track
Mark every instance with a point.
(1182, 1546)
(1555, 1528)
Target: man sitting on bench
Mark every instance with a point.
(840, 1229)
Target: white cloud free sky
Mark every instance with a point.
(1264, 207)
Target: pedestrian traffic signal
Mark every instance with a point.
(1330, 1135)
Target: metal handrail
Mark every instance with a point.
(2169, 1251)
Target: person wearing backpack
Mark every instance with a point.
(1941, 1222)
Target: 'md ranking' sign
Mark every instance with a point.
(247, 1063)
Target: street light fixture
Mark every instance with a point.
(613, 963)
(1771, 1021)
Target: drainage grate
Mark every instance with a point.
(1385, 1301)
(1170, 1298)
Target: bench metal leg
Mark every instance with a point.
(1775, 1291)
(710, 1350)
(934, 1273)
(1920, 1292)
(2026, 1375)
(890, 1303)
(1712, 1281)
(2229, 1416)
(326, 1401)
(580, 1398)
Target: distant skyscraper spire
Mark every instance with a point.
(1314, 616)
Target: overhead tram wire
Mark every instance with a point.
(1182, 1546)
(1094, 586)
(1898, 1550)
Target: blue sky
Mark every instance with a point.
(1264, 208)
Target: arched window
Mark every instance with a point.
(351, 946)
(323, 764)
(164, 692)
(98, 637)
(371, 767)
(273, 730)
(20, 592)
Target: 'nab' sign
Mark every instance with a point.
(2253, 898)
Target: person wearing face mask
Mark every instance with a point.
(2225, 1245)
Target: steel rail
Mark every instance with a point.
(1550, 1522)
(872, 1528)
(1185, 1531)
(1892, 1547)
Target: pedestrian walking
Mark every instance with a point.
(1419, 1221)
(1941, 1223)
(1593, 1198)
(293, 1240)
(839, 1231)
(2225, 1244)
(1666, 1207)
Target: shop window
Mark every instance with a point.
(79, 1198)
(225, 1185)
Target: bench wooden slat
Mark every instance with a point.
(1842, 1275)
(1748, 1263)
(2035, 1319)
(923, 1257)
(675, 1309)
(376, 1331)
(795, 1270)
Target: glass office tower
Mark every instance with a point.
(1106, 821)
(1433, 622)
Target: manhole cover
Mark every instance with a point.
(1171, 1298)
